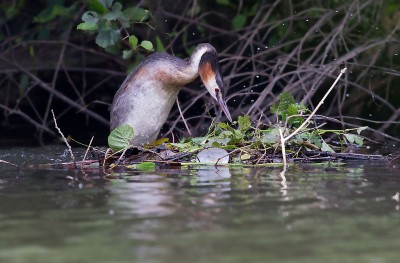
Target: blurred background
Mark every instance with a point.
(72, 56)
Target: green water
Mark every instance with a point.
(329, 213)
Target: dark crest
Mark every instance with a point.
(212, 58)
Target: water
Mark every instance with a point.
(322, 213)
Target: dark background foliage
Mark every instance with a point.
(265, 48)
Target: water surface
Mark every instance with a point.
(322, 213)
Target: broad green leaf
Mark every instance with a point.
(316, 140)
(146, 45)
(106, 38)
(127, 54)
(115, 12)
(88, 26)
(216, 144)
(145, 166)
(106, 3)
(293, 109)
(239, 21)
(352, 138)
(224, 125)
(124, 21)
(90, 16)
(97, 6)
(136, 14)
(181, 145)
(159, 44)
(158, 142)
(359, 140)
(326, 148)
(133, 41)
(281, 106)
(271, 136)
(120, 137)
(244, 123)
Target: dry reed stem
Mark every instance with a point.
(87, 149)
(307, 121)
(64, 139)
(2, 161)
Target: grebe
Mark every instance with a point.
(148, 93)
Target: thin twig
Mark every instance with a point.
(65, 139)
(183, 118)
(88, 148)
(306, 122)
(2, 161)
(122, 155)
(283, 147)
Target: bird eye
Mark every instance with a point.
(216, 90)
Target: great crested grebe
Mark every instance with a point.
(148, 93)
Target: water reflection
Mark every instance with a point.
(200, 213)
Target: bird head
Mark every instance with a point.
(211, 77)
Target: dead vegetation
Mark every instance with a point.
(265, 48)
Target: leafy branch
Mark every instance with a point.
(107, 19)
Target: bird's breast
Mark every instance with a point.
(145, 106)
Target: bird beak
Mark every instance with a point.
(218, 95)
(224, 108)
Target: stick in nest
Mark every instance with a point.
(65, 139)
(305, 123)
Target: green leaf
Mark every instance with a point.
(106, 3)
(281, 106)
(271, 136)
(239, 21)
(88, 26)
(293, 109)
(106, 38)
(326, 148)
(244, 123)
(96, 6)
(127, 54)
(359, 140)
(136, 14)
(226, 126)
(352, 138)
(146, 45)
(133, 41)
(146, 166)
(120, 137)
(90, 16)
(159, 44)
(115, 12)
